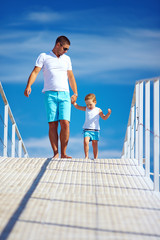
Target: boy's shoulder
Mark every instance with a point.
(98, 108)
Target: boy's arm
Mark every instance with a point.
(79, 107)
(105, 117)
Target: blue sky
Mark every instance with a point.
(113, 44)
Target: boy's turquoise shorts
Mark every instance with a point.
(93, 135)
(58, 105)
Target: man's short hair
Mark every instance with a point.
(63, 40)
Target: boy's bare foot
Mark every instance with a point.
(65, 156)
(56, 155)
(86, 157)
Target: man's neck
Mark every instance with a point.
(55, 52)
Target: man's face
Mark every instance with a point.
(62, 48)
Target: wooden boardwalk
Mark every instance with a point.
(62, 199)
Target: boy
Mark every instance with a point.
(91, 126)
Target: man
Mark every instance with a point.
(57, 70)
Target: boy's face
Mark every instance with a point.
(90, 104)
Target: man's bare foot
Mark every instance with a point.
(65, 156)
(56, 155)
(86, 157)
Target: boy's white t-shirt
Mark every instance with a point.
(54, 71)
(92, 119)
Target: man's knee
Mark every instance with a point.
(53, 125)
(64, 124)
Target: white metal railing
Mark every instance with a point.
(137, 143)
(15, 132)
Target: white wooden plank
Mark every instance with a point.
(76, 199)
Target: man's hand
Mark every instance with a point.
(27, 91)
(73, 99)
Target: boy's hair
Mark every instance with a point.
(91, 96)
(63, 40)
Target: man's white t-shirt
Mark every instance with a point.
(54, 71)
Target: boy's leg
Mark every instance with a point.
(86, 146)
(95, 148)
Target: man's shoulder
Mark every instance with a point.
(45, 54)
(42, 58)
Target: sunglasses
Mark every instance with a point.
(65, 49)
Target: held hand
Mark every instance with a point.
(73, 99)
(74, 104)
(27, 92)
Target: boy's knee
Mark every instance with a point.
(94, 142)
(86, 141)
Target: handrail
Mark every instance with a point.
(8, 112)
(137, 142)
(148, 80)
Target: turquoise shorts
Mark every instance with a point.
(58, 105)
(93, 135)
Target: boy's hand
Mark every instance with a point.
(109, 111)
(74, 103)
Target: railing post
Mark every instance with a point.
(137, 122)
(132, 132)
(13, 140)
(129, 141)
(125, 149)
(140, 157)
(5, 130)
(137, 139)
(156, 135)
(8, 112)
(147, 129)
(20, 148)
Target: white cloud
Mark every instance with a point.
(93, 54)
(143, 33)
(72, 17)
(110, 154)
(38, 143)
(88, 59)
(44, 16)
(40, 147)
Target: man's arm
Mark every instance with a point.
(31, 80)
(73, 85)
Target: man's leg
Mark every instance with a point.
(64, 137)
(86, 146)
(53, 137)
(95, 148)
